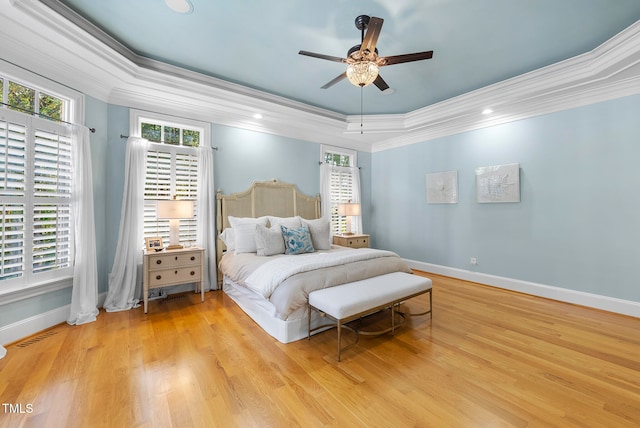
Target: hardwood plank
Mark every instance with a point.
(489, 357)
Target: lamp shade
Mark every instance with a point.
(174, 209)
(362, 73)
(350, 209)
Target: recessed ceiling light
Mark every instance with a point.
(389, 91)
(487, 111)
(180, 6)
(257, 116)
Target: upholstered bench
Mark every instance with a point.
(347, 302)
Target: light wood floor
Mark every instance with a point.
(489, 358)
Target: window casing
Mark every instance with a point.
(36, 243)
(341, 184)
(172, 168)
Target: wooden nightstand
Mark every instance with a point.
(174, 267)
(353, 241)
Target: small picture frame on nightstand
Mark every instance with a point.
(153, 243)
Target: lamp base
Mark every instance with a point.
(174, 247)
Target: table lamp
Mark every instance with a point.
(350, 210)
(174, 210)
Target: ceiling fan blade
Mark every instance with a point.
(373, 32)
(322, 56)
(380, 83)
(336, 80)
(398, 59)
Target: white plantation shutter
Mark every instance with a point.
(187, 188)
(52, 201)
(13, 146)
(13, 140)
(35, 199)
(12, 245)
(157, 186)
(170, 171)
(341, 192)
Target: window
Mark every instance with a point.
(342, 185)
(172, 168)
(36, 244)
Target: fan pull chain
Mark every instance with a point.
(361, 109)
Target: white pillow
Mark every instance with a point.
(244, 229)
(276, 222)
(320, 230)
(228, 237)
(269, 241)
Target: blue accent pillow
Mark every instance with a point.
(297, 240)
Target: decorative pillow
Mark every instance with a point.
(320, 230)
(244, 229)
(268, 241)
(297, 240)
(276, 222)
(228, 238)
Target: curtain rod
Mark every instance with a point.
(320, 163)
(126, 136)
(24, 110)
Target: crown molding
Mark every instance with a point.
(49, 39)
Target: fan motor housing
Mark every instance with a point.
(362, 22)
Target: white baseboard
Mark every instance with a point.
(610, 304)
(32, 325)
(29, 326)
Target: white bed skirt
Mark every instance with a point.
(294, 328)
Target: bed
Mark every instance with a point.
(270, 286)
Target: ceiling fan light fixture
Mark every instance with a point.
(362, 73)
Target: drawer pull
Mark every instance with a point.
(158, 262)
(176, 257)
(158, 277)
(193, 258)
(193, 273)
(350, 242)
(176, 272)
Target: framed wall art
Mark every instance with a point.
(496, 184)
(442, 187)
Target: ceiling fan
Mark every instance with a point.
(363, 61)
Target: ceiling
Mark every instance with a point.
(256, 43)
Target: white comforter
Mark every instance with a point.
(286, 280)
(266, 278)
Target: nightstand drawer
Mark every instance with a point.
(167, 261)
(353, 241)
(181, 275)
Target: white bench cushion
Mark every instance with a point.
(346, 300)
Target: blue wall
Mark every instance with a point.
(576, 226)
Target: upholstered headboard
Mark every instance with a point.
(272, 197)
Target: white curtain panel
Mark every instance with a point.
(84, 294)
(3, 352)
(205, 232)
(325, 190)
(123, 279)
(355, 171)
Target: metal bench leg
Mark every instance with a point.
(393, 319)
(339, 338)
